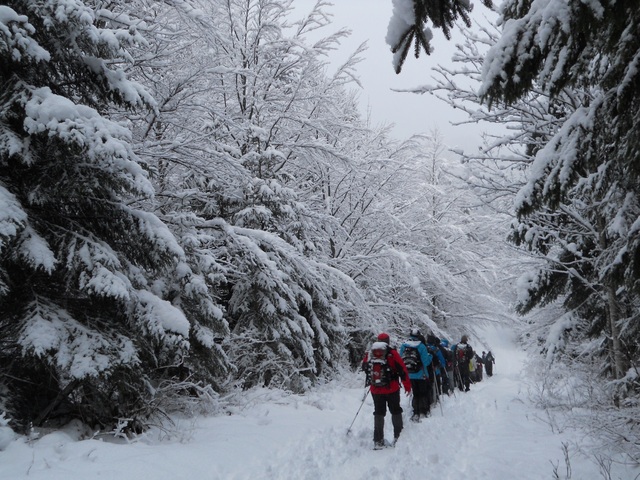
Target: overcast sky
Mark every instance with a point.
(411, 113)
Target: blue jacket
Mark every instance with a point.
(425, 357)
(441, 364)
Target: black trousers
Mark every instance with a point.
(464, 375)
(382, 400)
(422, 394)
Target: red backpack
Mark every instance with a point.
(379, 372)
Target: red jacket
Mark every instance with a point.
(396, 365)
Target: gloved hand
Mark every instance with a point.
(407, 386)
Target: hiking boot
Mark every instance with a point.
(415, 418)
(378, 445)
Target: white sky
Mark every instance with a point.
(492, 432)
(411, 113)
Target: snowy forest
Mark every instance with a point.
(192, 203)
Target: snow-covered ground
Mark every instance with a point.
(492, 432)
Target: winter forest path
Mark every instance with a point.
(492, 432)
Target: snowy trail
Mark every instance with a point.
(487, 433)
(492, 432)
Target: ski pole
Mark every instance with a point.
(361, 404)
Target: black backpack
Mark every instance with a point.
(411, 358)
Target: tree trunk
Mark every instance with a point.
(59, 398)
(618, 358)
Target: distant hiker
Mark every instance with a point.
(417, 360)
(477, 374)
(448, 356)
(463, 353)
(472, 369)
(489, 360)
(385, 370)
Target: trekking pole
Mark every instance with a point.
(462, 385)
(439, 390)
(435, 381)
(361, 404)
(452, 384)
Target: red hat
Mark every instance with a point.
(384, 337)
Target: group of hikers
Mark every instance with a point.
(427, 367)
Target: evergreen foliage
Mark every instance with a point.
(86, 326)
(409, 24)
(590, 162)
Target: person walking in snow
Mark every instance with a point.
(438, 369)
(449, 385)
(489, 360)
(477, 374)
(417, 360)
(385, 372)
(463, 353)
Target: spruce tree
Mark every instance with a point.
(86, 332)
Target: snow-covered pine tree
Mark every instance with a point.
(593, 157)
(86, 331)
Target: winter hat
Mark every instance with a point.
(464, 339)
(444, 342)
(384, 337)
(415, 332)
(378, 349)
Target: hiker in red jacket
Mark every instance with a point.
(385, 370)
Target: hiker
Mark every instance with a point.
(417, 360)
(438, 366)
(472, 369)
(463, 354)
(385, 371)
(489, 360)
(449, 385)
(478, 368)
